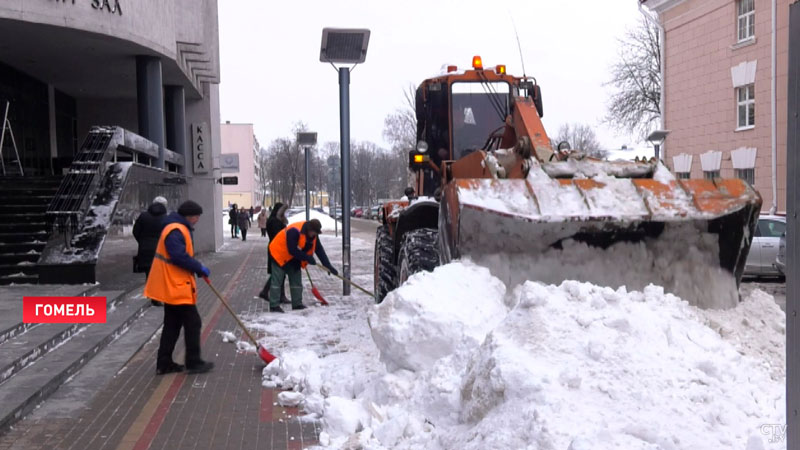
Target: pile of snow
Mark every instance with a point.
(328, 224)
(574, 366)
(422, 321)
(683, 260)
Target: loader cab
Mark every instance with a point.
(456, 114)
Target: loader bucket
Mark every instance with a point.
(690, 236)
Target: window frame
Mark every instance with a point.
(745, 21)
(711, 174)
(749, 105)
(683, 175)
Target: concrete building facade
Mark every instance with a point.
(149, 66)
(240, 151)
(725, 90)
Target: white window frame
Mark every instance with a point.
(711, 174)
(683, 175)
(748, 103)
(745, 20)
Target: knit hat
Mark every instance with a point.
(314, 225)
(161, 200)
(190, 208)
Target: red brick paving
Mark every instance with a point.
(224, 409)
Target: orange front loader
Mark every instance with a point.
(494, 189)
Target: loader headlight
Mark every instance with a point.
(422, 146)
(419, 158)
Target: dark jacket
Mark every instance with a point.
(274, 224)
(176, 246)
(232, 216)
(147, 230)
(243, 219)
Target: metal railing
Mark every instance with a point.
(68, 207)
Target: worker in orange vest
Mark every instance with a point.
(292, 250)
(172, 281)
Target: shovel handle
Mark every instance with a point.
(228, 307)
(347, 281)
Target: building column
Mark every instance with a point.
(150, 102)
(175, 106)
(51, 117)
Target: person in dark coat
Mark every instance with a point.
(147, 230)
(275, 223)
(243, 221)
(232, 220)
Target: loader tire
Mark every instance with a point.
(385, 272)
(418, 253)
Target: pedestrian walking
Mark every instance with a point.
(262, 221)
(172, 281)
(292, 250)
(243, 221)
(232, 221)
(252, 212)
(146, 231)
(276, 222)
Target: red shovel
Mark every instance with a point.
(262, 352)
(315, 291)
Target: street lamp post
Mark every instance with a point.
(657, 138)
(344, 46)
(307, 140)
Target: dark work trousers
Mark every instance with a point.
(244, 233)
(175, 317)
(265, 290)
(263, 232)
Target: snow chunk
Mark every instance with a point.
(227, 336)
(432, 314)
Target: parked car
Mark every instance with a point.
(764, 250)
(337, 213)
(374, 212)
(780, 261)
(357, 211)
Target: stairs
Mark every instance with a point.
(23, 226)
(35, 360)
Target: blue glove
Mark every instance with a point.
(332, 270)
(311, 261)
(205, 271)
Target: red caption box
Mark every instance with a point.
(64, 309)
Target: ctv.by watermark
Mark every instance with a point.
(775, 431)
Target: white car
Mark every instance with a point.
(764, 250)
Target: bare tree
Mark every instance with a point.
(637, 78)
(580, 137)
(400, 127)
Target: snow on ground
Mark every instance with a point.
(327, 221)
(455, 359)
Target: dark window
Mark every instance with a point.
(748, 175)
(771, 228)
(682, 175)
(478, 109)
(711, 174)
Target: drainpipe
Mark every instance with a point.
(774, 110)
(662, 36)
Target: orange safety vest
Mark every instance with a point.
(167, 282)
(280, 251)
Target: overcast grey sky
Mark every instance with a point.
(272, 77)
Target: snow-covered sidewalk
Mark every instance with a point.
(455, 359)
